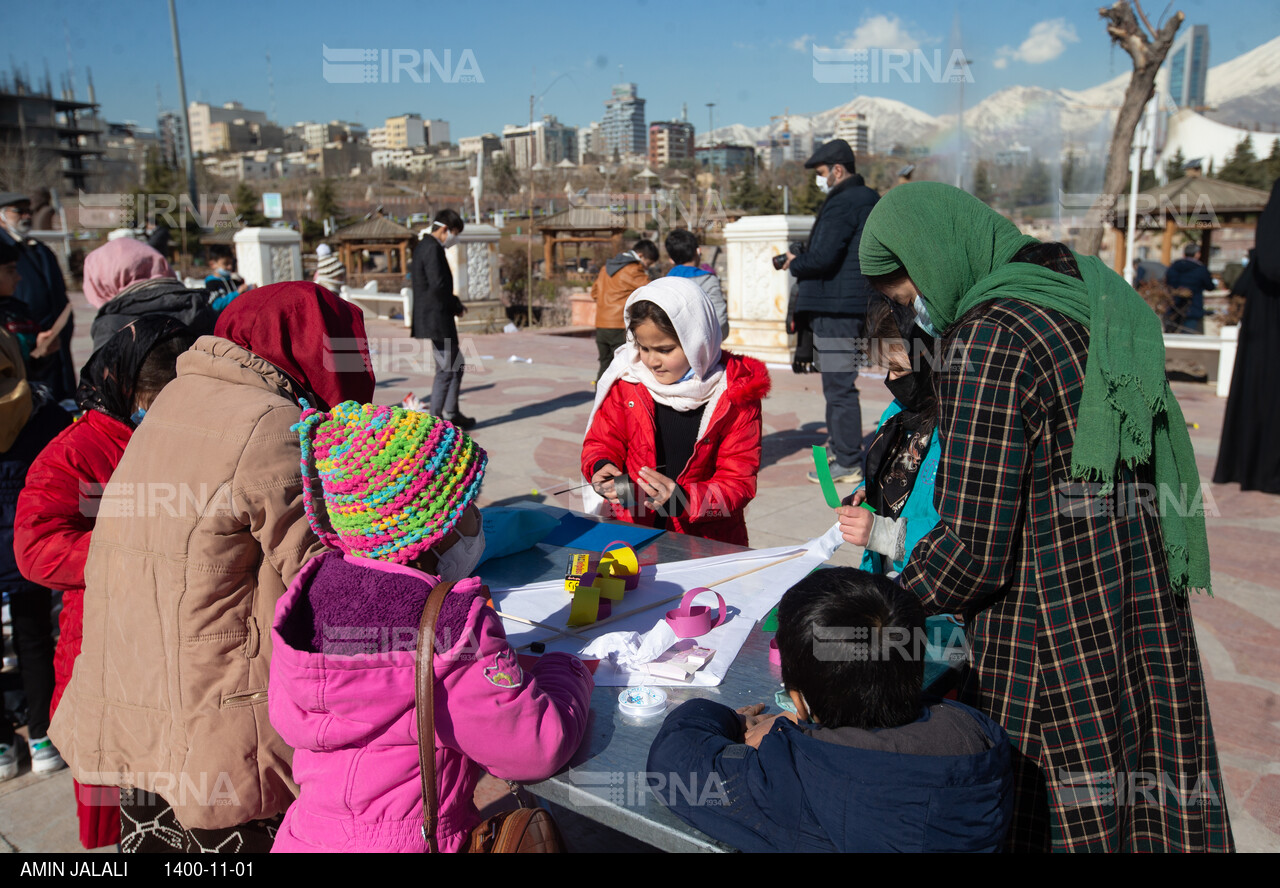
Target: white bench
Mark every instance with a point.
(369, 293)
(1224, 344)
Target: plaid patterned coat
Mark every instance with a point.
(1079, 648)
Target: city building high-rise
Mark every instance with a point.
(1188, 67)
(548, 142)
(406, 131)
(43, 132)
(208, 137)
(591, 144)
(485, 144)
(670, 141)
(171, 139)
(623, 125)
(853, 129)
(437, 132)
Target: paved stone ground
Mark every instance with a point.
(531, 422)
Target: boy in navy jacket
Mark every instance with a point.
(866, 765)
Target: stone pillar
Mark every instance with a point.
(757, 293)
(474, 263)
(268, 255)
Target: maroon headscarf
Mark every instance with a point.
(331, 356)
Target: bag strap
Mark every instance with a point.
(424, 700)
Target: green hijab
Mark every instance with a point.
(957, 251)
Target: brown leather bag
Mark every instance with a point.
(523, 831)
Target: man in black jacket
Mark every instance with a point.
(834, 294)
(435, 306)
(44, 292)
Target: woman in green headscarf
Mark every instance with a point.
(1071, 527)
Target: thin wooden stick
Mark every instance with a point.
(526, 621)
(576, 633)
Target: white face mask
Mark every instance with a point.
(923, 321)
(462, 557)
(450, 241)
(21, 226)
(821, 182)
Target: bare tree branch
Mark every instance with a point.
(1143, 15)
(1147, 55)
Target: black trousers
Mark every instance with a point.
(607, 341)
(30, 611)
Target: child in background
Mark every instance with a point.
(902, 461)
(222, 282)
(31, 419)
(677, 417)
(392, 492)
(53, 527)
(682, 247)
(867, 764)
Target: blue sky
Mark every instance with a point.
(753, 58)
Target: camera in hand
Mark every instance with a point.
(795, 249)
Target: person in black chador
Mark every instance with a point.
(1250, 448)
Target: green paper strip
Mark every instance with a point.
(823, 468)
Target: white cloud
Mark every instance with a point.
(801, 44)
(874, 32)
(1000, 62)
(1047, 41)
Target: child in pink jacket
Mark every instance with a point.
(391, 492)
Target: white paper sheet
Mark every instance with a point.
(748, 599)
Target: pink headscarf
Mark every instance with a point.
(118, 264)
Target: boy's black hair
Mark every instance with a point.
(646, 248)
(644, 310)
(159, 367)
(682, 246)
(450, 220)
(851, 643)
(221, 251)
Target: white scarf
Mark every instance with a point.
(698, 329)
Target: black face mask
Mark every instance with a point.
(912, 391)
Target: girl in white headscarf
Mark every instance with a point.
(673, 440)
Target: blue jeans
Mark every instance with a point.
(839, 347)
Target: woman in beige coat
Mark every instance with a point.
(198, 534)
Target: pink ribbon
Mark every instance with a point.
(689, 620)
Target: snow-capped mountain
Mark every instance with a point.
(1244, 89)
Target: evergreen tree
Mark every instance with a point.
(807, 200)
(983, 190)
(247, 204)
(1173, 166)
(1034, 188)
(1069, 165)
(749, 195)
(1242, 167)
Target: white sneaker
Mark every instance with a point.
(44, 757)
(9, 753)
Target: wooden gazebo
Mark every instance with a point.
(1192, 203)
(580, 225)
(389, 245)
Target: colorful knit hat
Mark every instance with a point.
(385, 482)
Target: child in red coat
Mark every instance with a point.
(674, 436)
(58, 505)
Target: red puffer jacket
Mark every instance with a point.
(55, 518)
(720, 478)
(56, 512)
